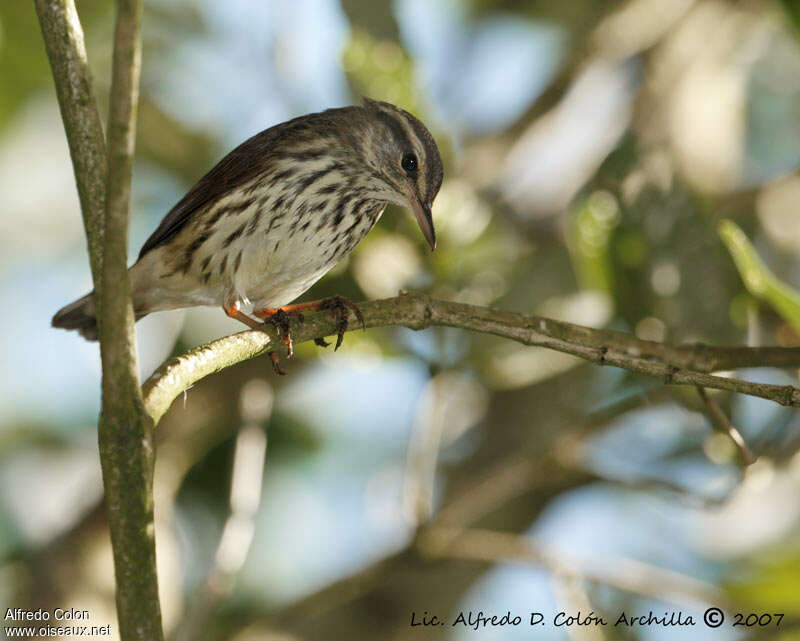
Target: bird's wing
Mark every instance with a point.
(244, 163)
(234, 170)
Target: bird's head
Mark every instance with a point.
(405, 162)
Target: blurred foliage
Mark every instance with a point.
(767, 582)
(23, 64)
(758, 279)
(381, 70)
(793, 9)
(591, 229)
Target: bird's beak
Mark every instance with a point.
(422, 212)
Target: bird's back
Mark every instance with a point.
(266, 222)
(267, 152)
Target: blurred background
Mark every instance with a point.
(591, 151)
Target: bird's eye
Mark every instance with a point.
(409, 163)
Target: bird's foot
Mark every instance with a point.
(281, 317)
(278, 318)
(281, 320)
(340, 306)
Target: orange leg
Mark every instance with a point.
(234, 312)
(289, 309)
(336, 304)
(282, 324)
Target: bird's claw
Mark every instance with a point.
(280, 320)
(340, 306)
(276, 366)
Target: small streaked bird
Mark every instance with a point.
(280, 210)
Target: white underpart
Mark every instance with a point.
(276, 267)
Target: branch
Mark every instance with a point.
(125, 428)
(721, 423)
(237, 534)
(63, 39)
(684, 365)
(625, 574)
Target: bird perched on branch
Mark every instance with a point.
(275, 214)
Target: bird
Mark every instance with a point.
(277, 213)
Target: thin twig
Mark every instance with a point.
(237, 535)
(63, 39)
(422, 456)
(622, 573)
(721, 422)
(683, 365)
(509, 479)
(571, 595)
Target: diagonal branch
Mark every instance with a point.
(721, 423)
(683, 365)
(63, 39)
(237, 534)
(624, 574)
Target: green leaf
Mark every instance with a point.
(757, 277)
(768, 581)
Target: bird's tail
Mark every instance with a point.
(78, 315)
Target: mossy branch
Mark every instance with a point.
(675, 365)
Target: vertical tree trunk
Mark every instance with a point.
(104, 184)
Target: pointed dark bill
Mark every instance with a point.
(422, 212)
